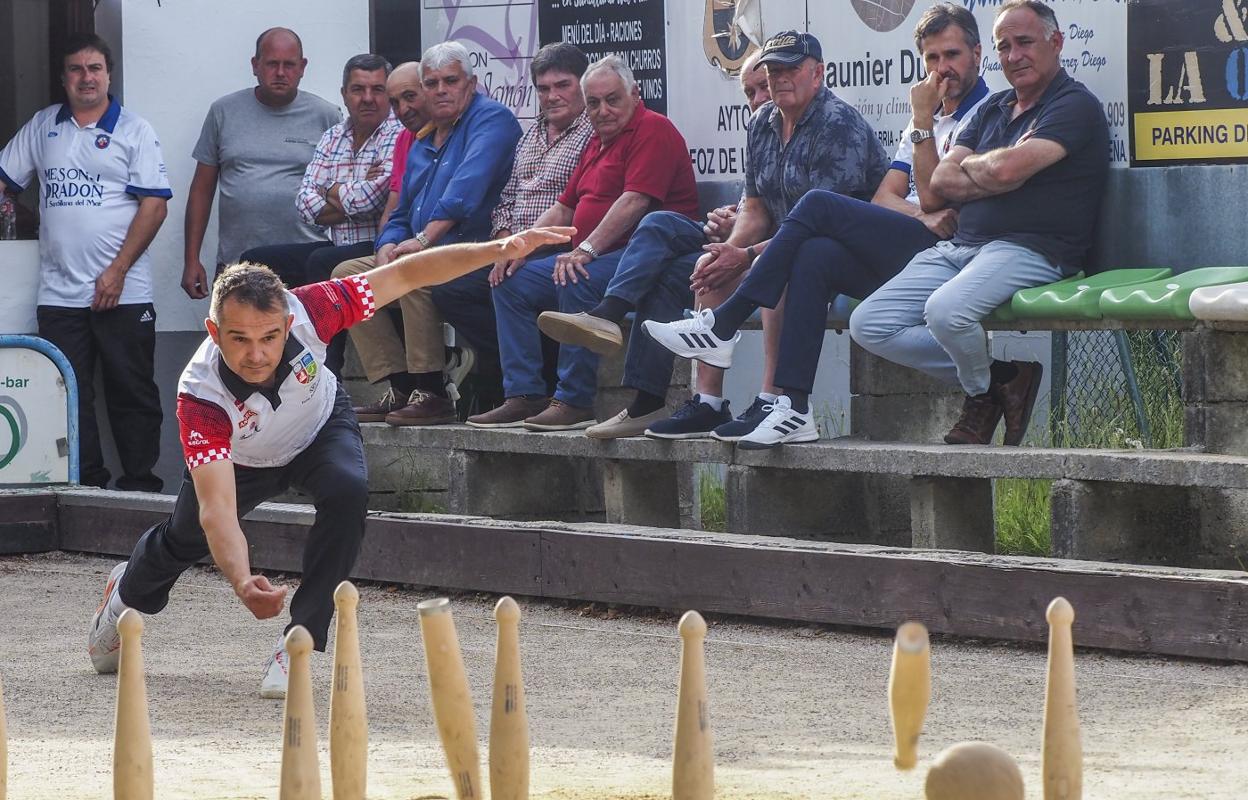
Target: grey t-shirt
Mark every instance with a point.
(261, 153)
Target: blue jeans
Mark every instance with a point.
(928, 316)
(517, 302)
(829, 244)
(653, 277)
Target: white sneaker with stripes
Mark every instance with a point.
(692, 338)
(781, 426)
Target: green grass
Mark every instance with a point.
(1022, 516)
(714, 509)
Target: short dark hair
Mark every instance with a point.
(87, 41)
(561, 56)
(939, 17)
(365, 62)
(1044, 12)
(264, 34)
(251, 284)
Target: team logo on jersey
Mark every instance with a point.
(248, 417)
(102, 141)
(304, 367)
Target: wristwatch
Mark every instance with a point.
(586, 247)
(423, 239)
(919, 135)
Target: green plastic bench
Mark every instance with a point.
(1005, 311)
(1168, 298)
(1079, 297)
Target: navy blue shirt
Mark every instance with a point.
(461, 180)
(1054, 212)
(832, 148)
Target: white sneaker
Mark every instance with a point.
(692, 338)
(781, 425)
(103, 641)
(459, 363)
(276, 673)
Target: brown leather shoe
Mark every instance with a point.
(376, 412)
(1017, 398)
(424, 408)
(980, 415)
(560, 416)
(593, 333)
(511, 414)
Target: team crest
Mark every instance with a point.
(305, 368)
(731, 30)
(102, 141)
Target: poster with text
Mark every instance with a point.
(632, 29)
(1188, 81)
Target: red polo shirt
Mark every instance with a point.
(649, 156)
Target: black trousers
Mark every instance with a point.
(331, 471)
(123, 341)
(304, 263)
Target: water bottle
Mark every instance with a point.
(8, 217)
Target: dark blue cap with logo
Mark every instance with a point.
(790, 48)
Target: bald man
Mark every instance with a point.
(255, 144)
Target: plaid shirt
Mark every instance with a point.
(540, 174)
(336, 161)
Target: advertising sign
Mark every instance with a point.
(1188, 79)
(33, 430)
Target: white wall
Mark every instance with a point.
(179, 57)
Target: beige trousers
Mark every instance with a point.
(377, 339)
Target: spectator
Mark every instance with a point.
(104, 195)
(454, 177)
(346, 184)
(255, 144)
(804, 138)
(635, 161)
(831, 244)
(1027, 175)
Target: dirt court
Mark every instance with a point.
(797, 712)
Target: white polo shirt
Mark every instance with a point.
(945, 130)
(91, 179)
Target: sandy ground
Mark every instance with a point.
(798, 712)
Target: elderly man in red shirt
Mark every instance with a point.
(636, 162)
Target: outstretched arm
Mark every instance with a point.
(441, 264)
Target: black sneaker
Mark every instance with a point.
(693, 420)
(733, 430)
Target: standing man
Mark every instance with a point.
(258, 415)
(455, 174)
(347, 182)
(254, 145)
(805, 138)
(636, 161)
(1027, 175)
(103, 200)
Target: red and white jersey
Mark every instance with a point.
(221, 416)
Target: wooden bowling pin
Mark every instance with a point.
(974, 771)
(132, 742)
(693, 763)
(301, 774)
(4, 749)
(1061, 756)
(509, 724)
(452, 702)
(909, 691)
(348, 716)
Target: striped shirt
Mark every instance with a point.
(540, 174)
(337, 161)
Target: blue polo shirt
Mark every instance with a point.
(1054, 212)
(92, 179)
(461, 180)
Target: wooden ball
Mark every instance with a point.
(974, 771)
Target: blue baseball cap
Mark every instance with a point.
(790, 48)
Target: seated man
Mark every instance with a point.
(636, 160)
(346, 184)
(454, 176)
(805, 138)
(1028, 174)
(831, 244)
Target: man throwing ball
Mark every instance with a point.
(258, 414)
